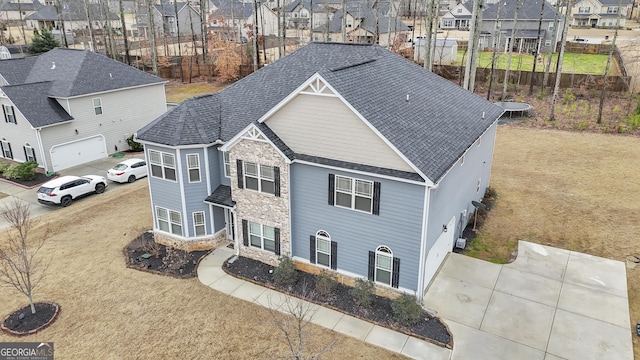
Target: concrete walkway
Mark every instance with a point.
(211, 274)
(549, 304)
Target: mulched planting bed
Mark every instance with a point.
(174, 262)
(39, 179)
(430, 328)
(23, 322)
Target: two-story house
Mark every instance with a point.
(170, 16)
(67, 107)
(346, 157)
(600, 13)
(73, 15)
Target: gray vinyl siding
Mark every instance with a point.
(194, 192)
(223, 179)
(18, 134)
(218, 219)
(398, 226)
(165, 193)
(458, 188)
(123, 113)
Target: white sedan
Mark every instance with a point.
(128, 170)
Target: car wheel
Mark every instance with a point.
(132, 178)
(100, 188)
(66, 201)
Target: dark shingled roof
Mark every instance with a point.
(221, 196)
(432, 129)
(166, 8)
(15, 71)
(32, 101)
(8, 5)
(529, 10)
(71, 11)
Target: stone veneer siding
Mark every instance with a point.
(205, 243)
(262, 208)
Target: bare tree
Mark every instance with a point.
(538, 44)
(474, 39)
(608, 67)
(512, 40)
(20, 265)
(563, 44)
(292, 317)
(554, 36)
(152, 33)
(127, 57)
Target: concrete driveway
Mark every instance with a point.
(548, 304)
(98, 167)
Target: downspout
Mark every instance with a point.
(289, 209)
(235, 233)
(182, 197)
(207, 173)
(423, 243)
(42, 153)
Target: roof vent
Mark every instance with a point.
(407, 97)
(53, 65)
(110, 76)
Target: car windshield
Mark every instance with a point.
(120, 167)
(45, 190)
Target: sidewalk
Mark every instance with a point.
(211, 274)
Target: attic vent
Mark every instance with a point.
(53, 65)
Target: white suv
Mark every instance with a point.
(63, 190)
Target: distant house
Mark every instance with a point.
(346, 157)
(73, 15)
(445, 54)
(68, 107)
(17, 10)
(235, 20)
(497, 25)
(166, 21)
(13, 52)
(600, 13)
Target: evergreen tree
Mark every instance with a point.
(43, 41)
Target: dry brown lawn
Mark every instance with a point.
(112, 312)
(576, 191)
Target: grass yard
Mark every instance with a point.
(574, 63)
(111, 312)
(576, 191)
(177, 91)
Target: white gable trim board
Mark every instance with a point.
(320, 86)
(251, 132)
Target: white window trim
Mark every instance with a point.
(162, 165)
(196, 224)
(6, 147)
(189, 168)
(260, 176)
(169, 221)
(29, 148)
(261, 236)
(353, 194)
(323, 236)
(99, 106)
(389, 254)
(227, 164)
(9, 113)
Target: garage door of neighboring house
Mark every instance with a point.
(439, 251)
(78, 152)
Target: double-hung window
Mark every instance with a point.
(262, 236)
(199, 227)
(227, 164)
(612, 10)
(323, 250)
(163, 165)
(354, 193)
(29, 153)
(384, 268)
(169, 221)
(258, 177)
(9, 114)
(97, 106)
(6, 149)
(193, 166)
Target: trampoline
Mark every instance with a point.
(511, 107)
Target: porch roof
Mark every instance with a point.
(221, 196)
(526, 34)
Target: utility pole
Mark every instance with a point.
(535, 55)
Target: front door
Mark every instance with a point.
(230, 219)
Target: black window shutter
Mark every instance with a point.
(34, 154)
(2, 148)
(376, 198)
(240, 175)
(4, 111)
(245, 233)
(26, 158)
(395, 277)
(276, 236)
(15, 119)
(334, 255)
(332, 185)
(10, 152)
(372, 265)
(276, 180)
(312, 249)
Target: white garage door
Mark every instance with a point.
(439, 251)
(67, 155)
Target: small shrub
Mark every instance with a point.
(3, 167)
(634, 121)
(363, 292)
(406, 310)
(285, 274)
(134, 145)
(326, 283)
(582, 125)
(22, 171)
(152, 248)
(568, 97)
(175, 258)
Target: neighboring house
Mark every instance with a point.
(600, 13)
(235, 20)
(67, 107)
(346, 157)
(167, 22)
(298, 13)
(18, 10)
(363, 25)
(13, 52)
(497, 25)
(74, 16)
(446, 51)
